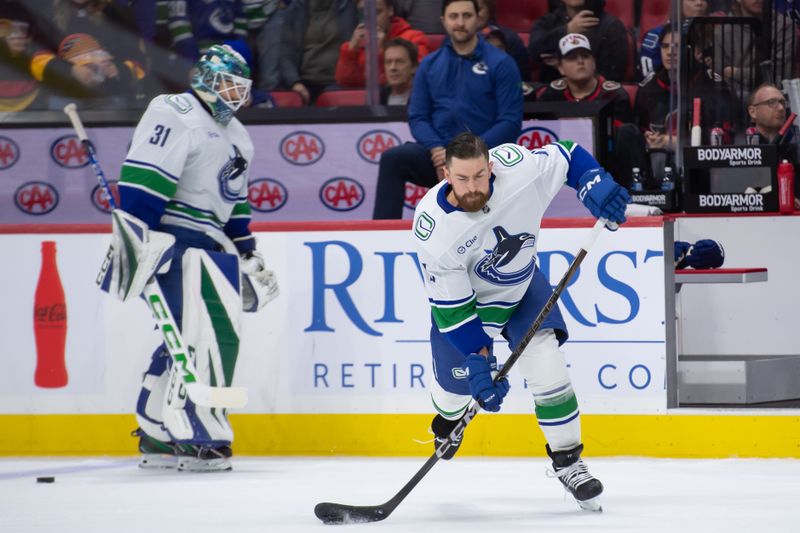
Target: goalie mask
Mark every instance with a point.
(221, 78)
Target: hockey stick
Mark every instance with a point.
(200, 394)
(336, 513)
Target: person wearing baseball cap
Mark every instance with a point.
(580, 81)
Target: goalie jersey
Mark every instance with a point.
(477, 266)
(184, 169)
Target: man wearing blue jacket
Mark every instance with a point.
(466, 85)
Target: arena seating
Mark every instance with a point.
(342, 97)
(435, 40)
(519, 15)
(287, 98)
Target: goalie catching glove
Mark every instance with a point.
(259, 284)
(136, 254)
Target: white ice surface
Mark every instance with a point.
(465, 495)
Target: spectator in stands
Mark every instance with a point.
(512, 42)
(606, 33)
(737, 58)
(496, 38)
(265, 24)
(312, 32)
(351, 66)
(424, 15)
(400, 62)
(467, 84)
(650, 51)
(18, 88)
(580, 81)
(767, 109)
(197, 24)
(92, 55)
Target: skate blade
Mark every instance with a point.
(592, 505)
(204, 465)
(156, 461)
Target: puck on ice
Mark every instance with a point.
(45, 479)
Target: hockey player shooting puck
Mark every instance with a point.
(45, 479)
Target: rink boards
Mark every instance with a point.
(340, 362)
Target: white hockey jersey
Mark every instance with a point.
(185, 169)
(477, 266)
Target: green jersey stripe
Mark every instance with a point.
(182, 209)
(496, 315)
(242, 208)
(447, 317)
(148, 179)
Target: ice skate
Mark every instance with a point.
(441, 428)
(570, 469)
(193, 458)
(155, 453)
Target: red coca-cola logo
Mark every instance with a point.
(267, 195)
(536, 137)
(341, 194)
(302, 148)
(100, 196)
(36, 198)
(373, 143)
(68, 152)
(413, 195)
(9, 153)
(50, 313)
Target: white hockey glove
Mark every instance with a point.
(259, 284)
(137, 253)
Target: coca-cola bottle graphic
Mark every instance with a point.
(50, 323)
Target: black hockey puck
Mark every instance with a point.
(45, 479)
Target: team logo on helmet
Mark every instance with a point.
(9, 153)
(68, 152)
(267, 195)
(100, 196)
(36, 198)
(231, 176)
(536, 137)
(341, 194)
(302, 148)
(413, 194)
(506, 264)
(372, 144)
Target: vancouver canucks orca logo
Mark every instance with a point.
(505, 265)
(231, 176)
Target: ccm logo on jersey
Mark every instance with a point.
(341, 194)
(267, 195)
(302, 148)
(9, 153)
(536, 137)
(36, 198)
(100, 198)
(372, 144)
(413, 195)
(67, 152)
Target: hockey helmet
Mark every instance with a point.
(221, 78)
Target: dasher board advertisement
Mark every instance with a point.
(349, 331)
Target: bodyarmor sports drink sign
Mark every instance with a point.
(731, 179)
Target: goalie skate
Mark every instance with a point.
(193, 458)
(155, 453)
(573, 474)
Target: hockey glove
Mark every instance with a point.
(259, 284)
(705, 253)
(602, 196)
(479, 376)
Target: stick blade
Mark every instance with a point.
(335, 513)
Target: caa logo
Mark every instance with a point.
(9, 153)
(536, 137)
(341, 194)
(373, 143)
(414, 194)
(302, 148)
(267, 195)
(100, 197)
(36, 198)
(68, 152)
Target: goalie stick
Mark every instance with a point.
(199, 393)
(337, 513)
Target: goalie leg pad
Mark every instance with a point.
(151, 396)
(211, 323)
(544, 367)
